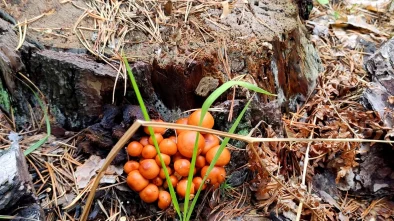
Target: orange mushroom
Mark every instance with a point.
(149, 168)
(216, 176)
(157, 181)
(168, 146)
(174, 182)
(173, 138)
(165, 157)
(155, 129)
(162, 175)
(134, 149)
(181, 121)
(164, 200)
(181, 188)
(158, 137)
(207, 122)
(182, 167)
(200, 161)
(150, 193)
(130, 166)
(197, 182)
(144, 141)
(224, 157)
(136, 181)
(177, 156)
(149, 152)
(210, 141)
(186, 142)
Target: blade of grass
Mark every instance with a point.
(7, 217)
(190, 176)
(16, 217)
(215, 159)
(48, 125)
(146, 117)
(207, 104)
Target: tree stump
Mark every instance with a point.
(264, 39)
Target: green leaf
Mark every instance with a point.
(336, 15)
(208, 102)
(48, 125)
(323, 2)
(146, 117)
(216, 157)
(7, 217)
(16, 217)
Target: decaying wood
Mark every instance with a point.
(263, 39)
(379, 95)
(16, 190)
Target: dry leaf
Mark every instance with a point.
(343, 217)
(111, 179)
(66, 199)
(86, 171)
(357, 21)
(372, 3)
(328, 198)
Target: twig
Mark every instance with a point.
(306, 160)
(53, 179)
(188, 8)
(22, 35)
(5, 3)
(111, 156)
(36, 169)
(335, 109)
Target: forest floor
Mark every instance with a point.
(345, 35)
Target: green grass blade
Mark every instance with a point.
(48, 125)
(190, 176)
(16, 217)
(7, 217)
(208, 102)
(323, 2)
(215, 159)
(146, 117)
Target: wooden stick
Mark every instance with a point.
(111, 156)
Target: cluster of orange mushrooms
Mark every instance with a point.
(144, 172)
